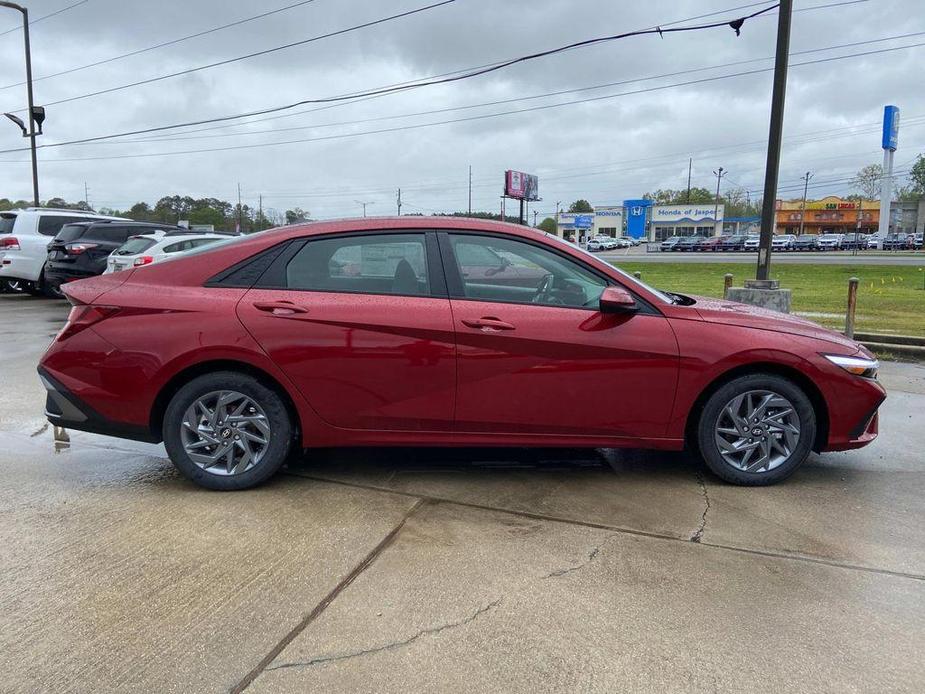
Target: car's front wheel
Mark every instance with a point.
(756, 429)
(227, 431)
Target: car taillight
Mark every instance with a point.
(78, 248)
(143, 260)
(83, 316)
(10, 243)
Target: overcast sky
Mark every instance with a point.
(605, 150)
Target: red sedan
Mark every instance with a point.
(441, 332)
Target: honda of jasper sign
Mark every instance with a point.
(693, 213)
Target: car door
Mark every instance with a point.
(361, 324)
(539, 357)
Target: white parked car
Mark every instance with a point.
(596, 245)
(24, 238)
(829, 242)
(147, 249)
(782, 242)
(751, 243)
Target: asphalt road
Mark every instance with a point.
(472, 571)
(639, 255)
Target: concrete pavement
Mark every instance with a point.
(475, 570)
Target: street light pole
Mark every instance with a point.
(31, 133)
(803, 206)
(769, 203)
(719, 177)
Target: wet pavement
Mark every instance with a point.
(472, 570)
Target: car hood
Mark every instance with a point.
(747, 316)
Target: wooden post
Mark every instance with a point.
(637, 275)
(727, 282)
(852, 305)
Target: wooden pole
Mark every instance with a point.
(852, 305)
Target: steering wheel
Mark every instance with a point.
(544, 291)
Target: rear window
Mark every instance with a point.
(71, 232)
(134, 246)
(6, 223)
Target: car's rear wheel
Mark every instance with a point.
(227, 431)
(756, 429)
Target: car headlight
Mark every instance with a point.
(859, 366)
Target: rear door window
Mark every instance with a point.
(367, 264)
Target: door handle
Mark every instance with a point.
(279, 308)
(487, 324)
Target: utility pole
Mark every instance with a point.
(558, 202)
(534, 218)
(719, 177)
(803, 206)
(399, 202)
(86, 195)
(35, 114)
(690, 165)
(260, 209)
(470, 190)
(240, 210)
(364, 204)
(775, 134)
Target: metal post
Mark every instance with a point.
(886, 192)
(852, 305)
(690, 165)
(470, 190)
(727, 282)
(803, 206)
(31, 134)
(719, 177)
(769, 203)
(399, 202)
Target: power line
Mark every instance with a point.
(159, 45)
(46, 16)
(239, 58)
(455, 120)
(183, 137)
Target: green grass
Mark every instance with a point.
(890, 297)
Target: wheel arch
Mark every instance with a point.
(181, 378)
(800, 379)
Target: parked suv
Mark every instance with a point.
(24, 237)
(81, 249)
(829, 242)
(782, 242)
(805, 242)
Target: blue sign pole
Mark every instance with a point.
(889, 142)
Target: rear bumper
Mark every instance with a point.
(64, 409)
(57, 276)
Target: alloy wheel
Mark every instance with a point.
(225, 433)
(757, 431)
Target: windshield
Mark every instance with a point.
(139, 244)
(6, 223)
(629, 278)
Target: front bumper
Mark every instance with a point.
(64, 409)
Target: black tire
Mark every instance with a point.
(277, 417)
(710, 418)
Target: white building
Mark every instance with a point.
(685, 220)
(606, 220)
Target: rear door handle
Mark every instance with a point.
(487, 324)
(279, 308)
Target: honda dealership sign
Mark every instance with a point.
(520, 185)
(693, 213)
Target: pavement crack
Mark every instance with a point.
(591, 556)
(389, 646)
(697, 536)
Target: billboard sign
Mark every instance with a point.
(584, 221)
(890, 128)
(520, 185)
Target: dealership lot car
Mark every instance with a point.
(81, 249)
(829, 242)
(148, 249)
(394, 331)
(24, 238)
(805, 242)
(782, 242)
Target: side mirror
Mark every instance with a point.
(617, 300)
